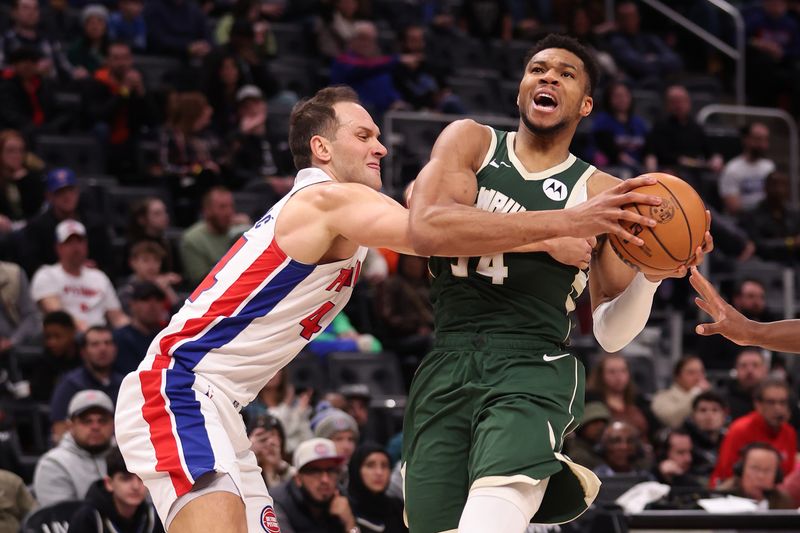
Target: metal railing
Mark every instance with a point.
(766, 112)
(736, 53)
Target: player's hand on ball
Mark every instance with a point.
(604, 212)
(572, 251)
(699, 256)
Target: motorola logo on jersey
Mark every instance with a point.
(554, 189)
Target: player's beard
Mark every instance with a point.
(541, 131)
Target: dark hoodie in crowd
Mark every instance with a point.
(373, 512)
(99, 515)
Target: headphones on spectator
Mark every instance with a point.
(738, 468)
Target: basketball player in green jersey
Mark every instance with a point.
(491, 404)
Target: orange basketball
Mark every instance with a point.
(680, 228)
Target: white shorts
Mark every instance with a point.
(172, 427)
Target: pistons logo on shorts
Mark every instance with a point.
(269, 521)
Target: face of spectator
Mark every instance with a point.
(126, 489)
(775, 8)
(709, 416)
(131, 9)
(146, 266)
(365, 41)
(100, 351)
(228, 73)
(149, 312)
(73, 252)
(414, 42)
(358, 408)
(616, 375)
(628, 18)
(774, 406)
(157, 220)
(94, 28)
(204, 119)
(758, 474)
(756, 143)
(64, 201)
(345, 442)
(751, 300)
(347, 8)
(319, 479)
(750, 369)
(620, 99)
(13, 154)
(581, 24)
(679, 104)
(680, 451)
(26, 14)
(58, 339)
(375, 472)
(119, 60)
(92, 429)
(355, 151)
(219, 211)
(593, 431)
(561, 75)
(621, 442)
(691, 374)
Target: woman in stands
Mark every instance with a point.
(21, 183)
(370, 470)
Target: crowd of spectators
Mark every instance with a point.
(188, 101)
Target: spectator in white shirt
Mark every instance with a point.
(741, 183)
(70, 285)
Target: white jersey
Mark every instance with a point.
(255, 310)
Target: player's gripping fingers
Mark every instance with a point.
(635, 218)
(629, 185)
(639, 198)
(625, 235)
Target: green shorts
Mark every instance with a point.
(483, 409)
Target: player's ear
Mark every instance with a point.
(320, 148)
(587, 106)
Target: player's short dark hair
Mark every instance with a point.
(115, 463)
(709, 396)
(770, 383)
(59, 318)
(571, 44)
(315, 116)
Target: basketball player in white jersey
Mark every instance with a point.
(177, 420)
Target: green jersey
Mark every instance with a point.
(513, 293)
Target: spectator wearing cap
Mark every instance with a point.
(25, 33)
(70, 285)
(253, 157)
(118, 105)
(117, 503)
(340, 428)
(148, 316)
(311, 502)
(582, 445)
(127, 25)
(89, 50)
(267, 441)
(27, 98)
(177, 28)
(98, 353)
(21, 181)
(67, 471)
(63, 199)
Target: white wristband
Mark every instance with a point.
(617, 322)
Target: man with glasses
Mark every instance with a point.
(311, 502)
(768, 423)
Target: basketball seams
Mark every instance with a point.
(655, 236)
(629, 262)
(685, 219)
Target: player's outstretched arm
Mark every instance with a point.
(782, 336)
(444, 220)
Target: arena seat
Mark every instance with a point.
(52, 518)
(292, 39)
(379, 371)
(307, 371)
(81, 153)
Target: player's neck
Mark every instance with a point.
(541, 152)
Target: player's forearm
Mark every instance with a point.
(782, 336)
(456, 230)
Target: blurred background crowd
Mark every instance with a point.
(140, 138)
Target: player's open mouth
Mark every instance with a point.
(545, 102)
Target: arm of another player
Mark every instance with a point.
(621, 297)
(781, 336)
(445, 222)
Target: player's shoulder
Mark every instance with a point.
(327, 195)
(601, 181)
(464, 139)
